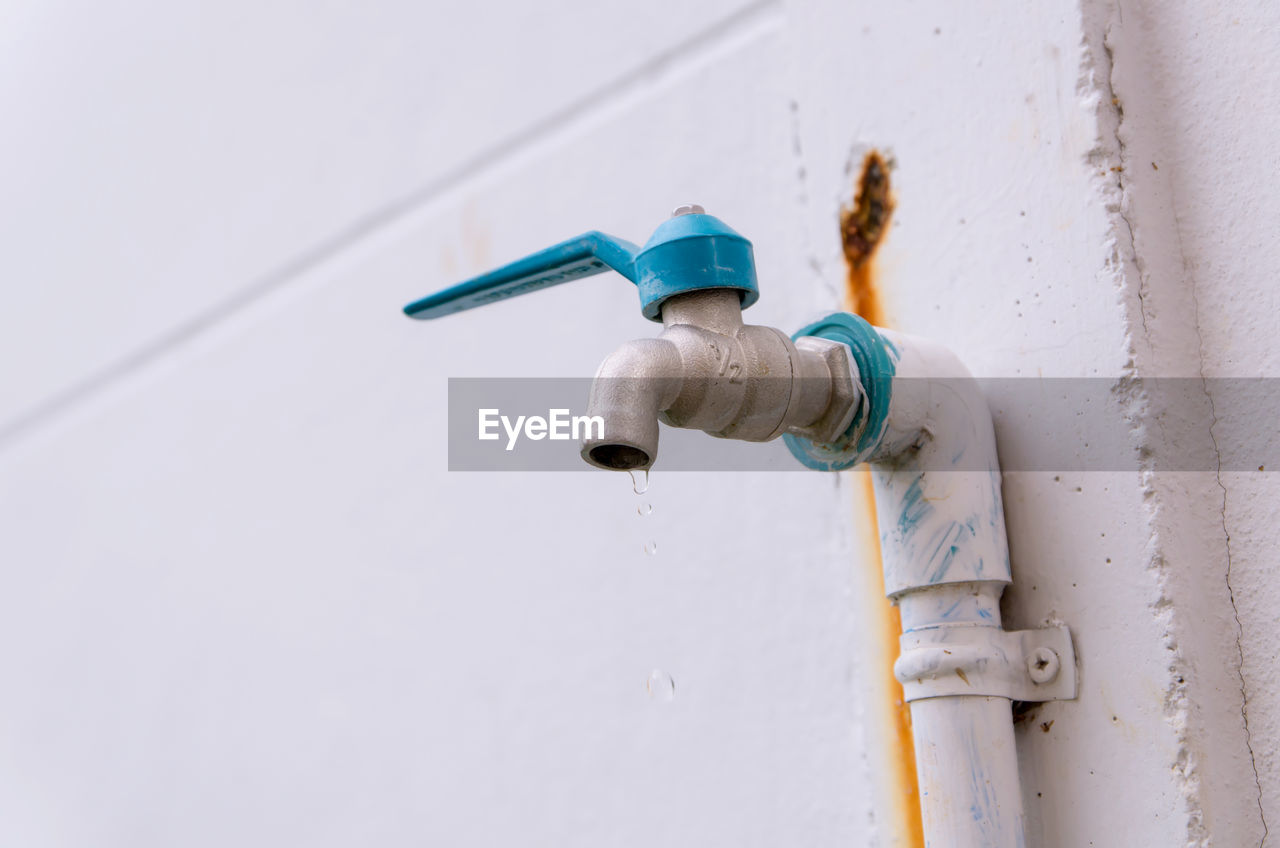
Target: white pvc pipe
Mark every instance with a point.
(946, 563)
(967, 768)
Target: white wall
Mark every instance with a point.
(245, 602)
(1198, 111)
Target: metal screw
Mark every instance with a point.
(688, 209)
(1043, 665)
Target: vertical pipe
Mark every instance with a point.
(946, 563)
(966, 761)
(968, 772)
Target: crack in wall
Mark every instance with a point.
(1226, 532)
(1109, 158)
(1139, 261)
(1176, 704)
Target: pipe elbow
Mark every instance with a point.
(938, 417)
(631, 388)
(937, 477)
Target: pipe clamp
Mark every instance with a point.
(1021, 665)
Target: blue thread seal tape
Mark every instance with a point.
(875, 357)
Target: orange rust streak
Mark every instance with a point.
(863, 298)
(862, 228)
(891, 714)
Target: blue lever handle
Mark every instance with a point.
(686, 253)
(588, 254)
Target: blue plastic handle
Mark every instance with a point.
(686, 253)
(588, 254)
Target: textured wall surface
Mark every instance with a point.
(1196, 113)
(246, 603)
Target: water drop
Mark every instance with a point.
(640, 484)
(660, 686)
(651, 548)
(644, 509)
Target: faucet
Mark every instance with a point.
(839, 392)
(707, 370)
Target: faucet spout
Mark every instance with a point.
(632, 387)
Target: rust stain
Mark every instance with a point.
(891, 712)
(863, 226)
(960, 673)
(1025, 711)
(1045, 725)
